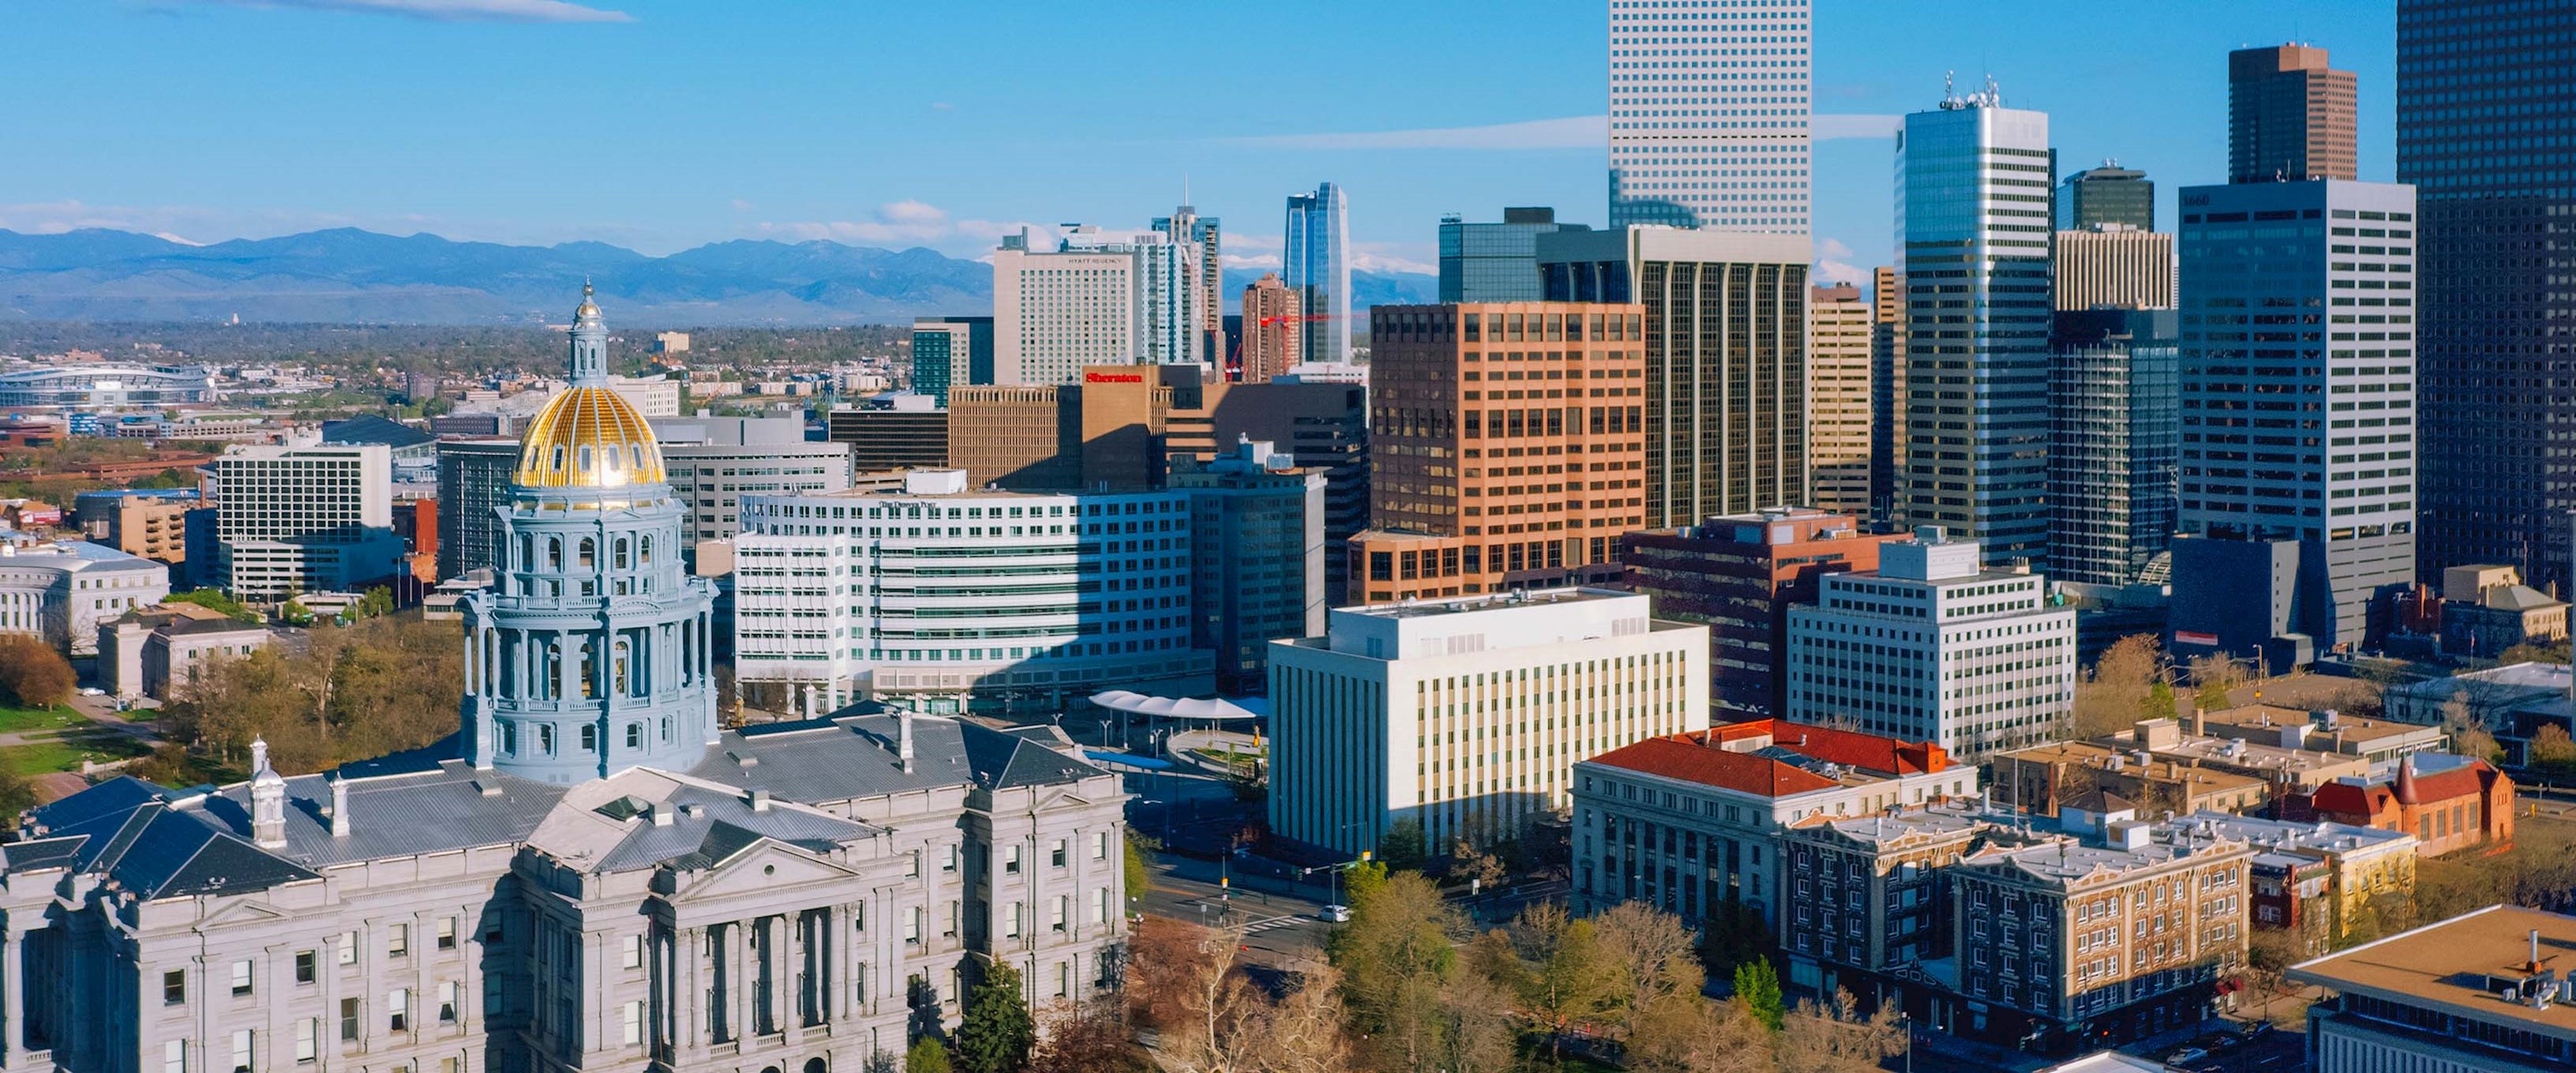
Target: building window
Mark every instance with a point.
(308, 1041)
(398, 1009)
(398, 941)
(1060, 854)
(242, 977)
(1100, 846)
(1011, 859)
(449, 992)
(630, 1019)
(174, 1056)
(241, 1050)
(304, 966)
(348, 1020)
(447, 933)
(174, 987)
(348, 948)
(631, 952)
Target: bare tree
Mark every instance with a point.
(1717, 1037)
(1836, 1038)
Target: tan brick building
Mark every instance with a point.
(1508, 447)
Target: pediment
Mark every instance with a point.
(764, 865)
(244, 911)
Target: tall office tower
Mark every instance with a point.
(1726, 358)
(1495, 262)
(310, 518)
(2298, 418)
(2109, 194)
(2112, 265)
(2289, 116)
(1274, 329)
(473, 480)
(2497, 274)
(1467, 715)
(1097, 299)
(1506, 443)
(1838, 399)
(1318, 264)
(1187, 227)
(895, 430)
(1971, 212)
(1886, 392)
(1888, 651)
(1706, 136)
(2111, 445)
(949, 352)
(1257, 555)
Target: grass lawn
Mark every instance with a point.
(66, 752)
(15, 719)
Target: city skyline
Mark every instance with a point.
(357, 119)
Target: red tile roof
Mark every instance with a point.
(2467, 780)
(1868, 752)
(1691, 758)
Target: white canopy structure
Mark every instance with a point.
(1121, 700)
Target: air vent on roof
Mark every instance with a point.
(743, 759)
(487, 788)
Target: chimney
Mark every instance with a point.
(2534, 964)
(903, 743)
(662, 813)
(760, 800)
(339, 806)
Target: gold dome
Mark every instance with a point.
(588, 437)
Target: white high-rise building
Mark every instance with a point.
(1933, 647)
(1708, 114)
(946, 599)
(1099, 298)
(1468, 714)
(310, 518)
(1972, 222)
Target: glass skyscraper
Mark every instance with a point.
(1318, 267)
(2112, 437)
(1708, 114)
(1972, 186)
(2486, 133)
(2109, 194)
(1495, 262)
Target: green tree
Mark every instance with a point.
(998, 1031)
(33, 673)
(294, 613)
(926, 1056)
(1140, 877)
(1757, 985)
(1404, 847)
(1397, 958)
(213, 600)
(2552, 752)
(376, 602)
(16, 795)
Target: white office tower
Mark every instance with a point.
(1972, 224)
(1098, 298)
(1931, 646)
(304, 518)
(1468, 714)
(945, 599)
(1708, 114)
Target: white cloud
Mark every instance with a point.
(454, 10)
(1391, 257)
(1267, 260)
(1833, 265)
(180, 239)
(1572, 132)
(912, 222)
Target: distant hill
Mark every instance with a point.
(348, 276)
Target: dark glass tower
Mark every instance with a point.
(2486, 132)
(2109, 194)
(2113, 434)
(2289, 116)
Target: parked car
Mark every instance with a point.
(1338, 914)
(2188, 1056)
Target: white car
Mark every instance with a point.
(92, 691)
(1338, 914)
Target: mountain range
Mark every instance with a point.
(349, 276)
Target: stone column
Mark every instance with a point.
(13, 994)
(741, 981)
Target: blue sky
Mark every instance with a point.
(661, 124)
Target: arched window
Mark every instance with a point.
(619, 561)
(615, 461)
(589, 553)
(554, 553)
(635, 451)
(644, 548)
(589, 672)
(509, 737)
(634, 735)
(559, 458)
(814, 1065)
(585, 457)
(619, 667)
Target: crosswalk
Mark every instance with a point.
(1272, 923)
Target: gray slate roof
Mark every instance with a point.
(169, 843)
